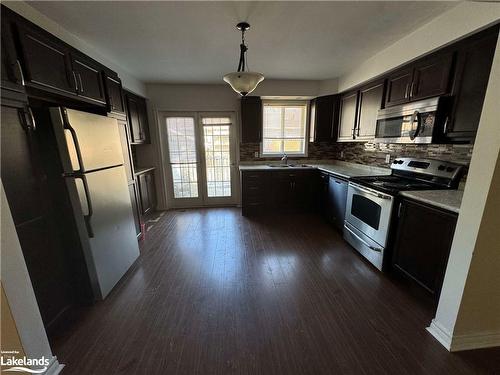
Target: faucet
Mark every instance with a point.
(285, 158)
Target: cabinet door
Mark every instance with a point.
(89, 78)
(137, 117)
(323, 194)
(347, 116)
(281, 191)
(34, 216)
(423, 243)
(144, 197)
(370, 101)
(114, 95)
(12, 77)
(398, 87)
(431, 77)
(47, 63)
(150, 181)
(324, 118)
(135, 207)
(474, 61)
(251, 119)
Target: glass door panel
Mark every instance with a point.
(201, 155)
(183, 156)
(218, 157)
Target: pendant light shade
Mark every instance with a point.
(243, 82)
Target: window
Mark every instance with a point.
(284, 128)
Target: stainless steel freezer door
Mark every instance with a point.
(114, 245)
(87, 141)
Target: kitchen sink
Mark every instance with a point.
(289, 166)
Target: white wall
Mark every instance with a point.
(33, 15)
(454, 24)
(19, 291)
(465, 321)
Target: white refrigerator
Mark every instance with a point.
(91, 155)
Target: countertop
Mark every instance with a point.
(449, 200)
(141, 170)
(337, 167)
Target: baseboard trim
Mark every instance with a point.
(475, 341)
(463, 342)
(54, 367)
(440, 334)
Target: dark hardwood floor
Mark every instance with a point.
(217, 293)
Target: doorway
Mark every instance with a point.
(200, 158)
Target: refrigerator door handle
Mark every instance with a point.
(72, 131)
(88, 216)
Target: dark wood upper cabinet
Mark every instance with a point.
(89, 78)
(398, 87)
(348, 116)
(324, 118)
(423, 242)
(12, 75)
(251, 119)
(474, 59)
(137, 118)
(46, 62)
(370, 101)
(431, 77)
(114, 94)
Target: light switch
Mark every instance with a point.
(387, 158)
(256, 154)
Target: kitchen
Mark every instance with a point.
(255, 204)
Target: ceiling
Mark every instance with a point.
(196, 42)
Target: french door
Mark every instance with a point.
(200, 158)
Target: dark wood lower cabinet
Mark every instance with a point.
(147, 191)
(423, 242)
(278, 191)
(135, 207)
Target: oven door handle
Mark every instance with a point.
(375, 194)
(376, 249)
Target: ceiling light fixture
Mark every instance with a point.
(243, 82)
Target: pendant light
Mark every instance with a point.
(243, 82)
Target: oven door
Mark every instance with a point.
(369, 212)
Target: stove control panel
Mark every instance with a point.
(429, 167)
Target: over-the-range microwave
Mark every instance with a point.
(419, 122)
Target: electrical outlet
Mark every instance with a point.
(387, 158)
(256, 154)
(341, 154)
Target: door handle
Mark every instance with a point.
(20, 69)
(74, 137)
(90, 211)
(76, 82)
(33, 122)
(377, 249)
(81, 83)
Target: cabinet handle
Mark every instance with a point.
(406, 90)
(76, 82)
(411, 89)
(445, 126)
(353, 133)
(18, 64)
(399, 209)
(81, 83)
(33, 122)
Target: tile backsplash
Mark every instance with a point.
(372, 153)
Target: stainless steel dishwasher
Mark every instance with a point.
(337, 197)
